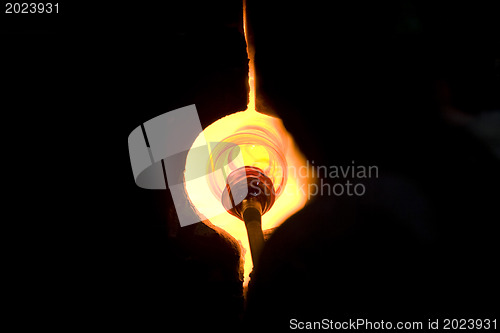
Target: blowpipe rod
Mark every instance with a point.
(252, 217)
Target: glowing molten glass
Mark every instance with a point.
(293, 195)
(262, 142)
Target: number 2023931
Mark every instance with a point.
(31, 8)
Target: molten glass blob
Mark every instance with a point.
(246, 138)
(248, 184)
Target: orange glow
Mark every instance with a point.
(251, 67)
(293, 196)
(292, 199)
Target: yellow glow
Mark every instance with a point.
(251, 66)
(292, 198)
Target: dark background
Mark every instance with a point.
(352, 81)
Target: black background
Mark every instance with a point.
(352, 81)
